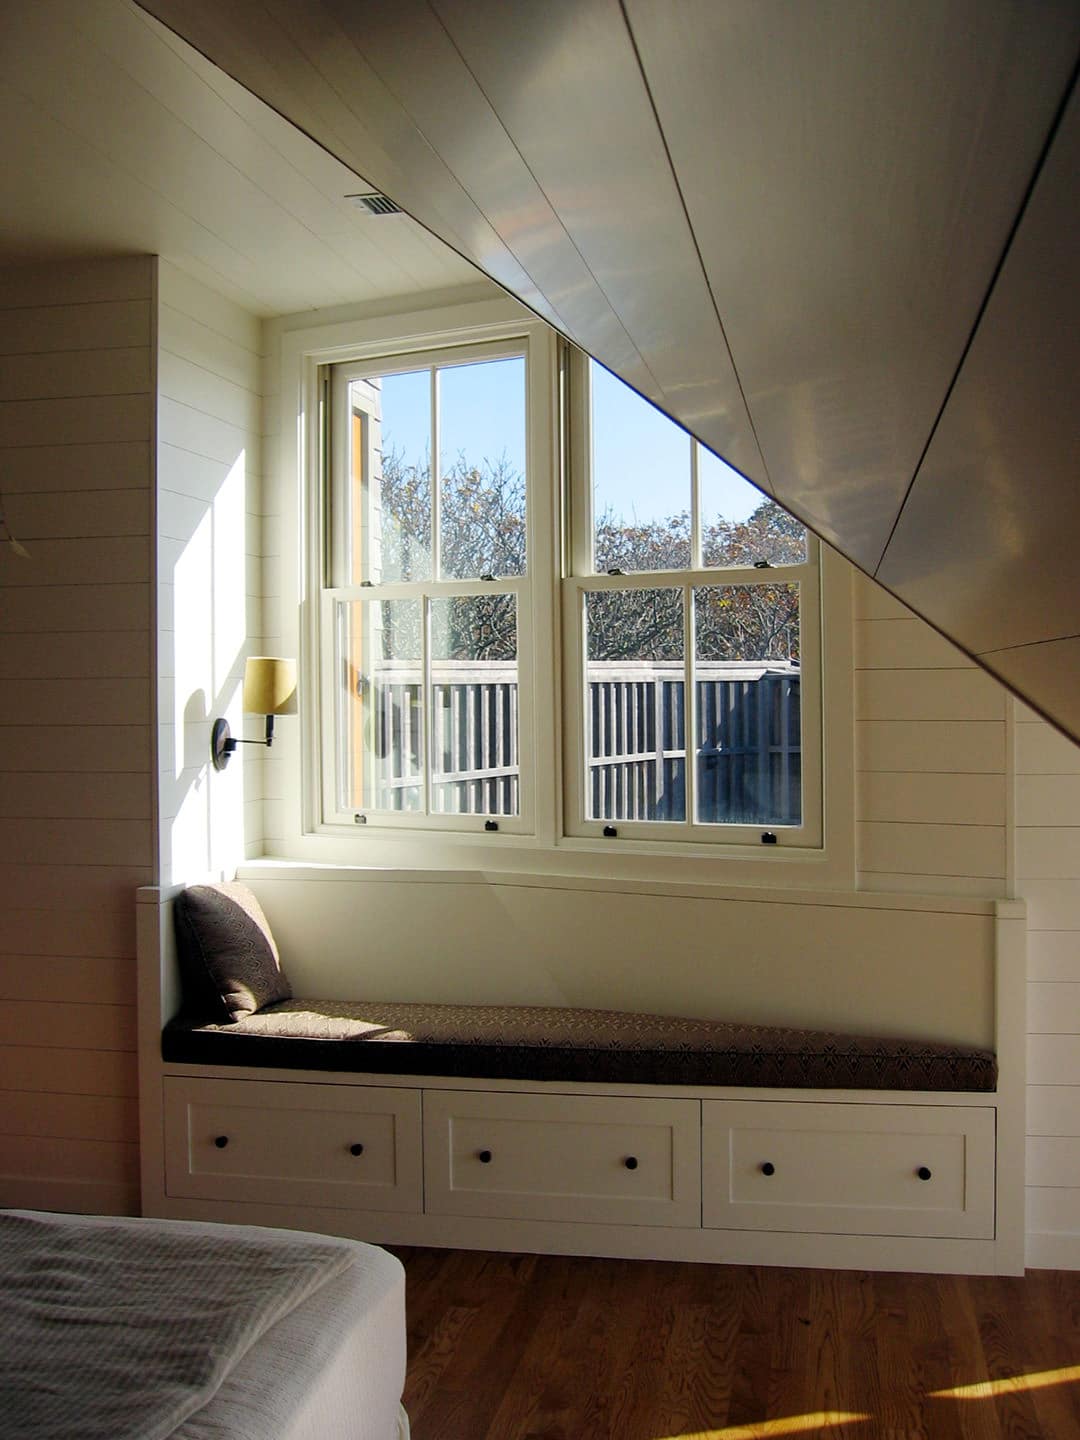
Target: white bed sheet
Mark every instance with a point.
(332, 1369)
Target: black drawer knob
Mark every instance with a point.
(484, 1156)
(630, 1162)
(221, 1141)
(768, 1168)
(924, 1172)
(356, 1149)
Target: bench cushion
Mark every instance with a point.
(516, 1042)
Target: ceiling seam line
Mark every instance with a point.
(697, 248)
(1021, 211)
(1028, 644)
(547, 199)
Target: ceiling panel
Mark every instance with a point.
(987, 540)
(851, 172)
(121, 138)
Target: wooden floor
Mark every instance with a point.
(512, 1347)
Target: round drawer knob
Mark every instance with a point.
(631, 1162)
(768, 1168)
(484, 1156)
(924, 1172)
(356, 1149)
(221, 1141)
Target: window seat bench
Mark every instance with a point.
(518, 1042)
(556, 1129)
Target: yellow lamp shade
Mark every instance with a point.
(269, 686)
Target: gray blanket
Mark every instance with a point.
(114, 1329)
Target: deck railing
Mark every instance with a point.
(747, 741)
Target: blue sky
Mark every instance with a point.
(641, 460)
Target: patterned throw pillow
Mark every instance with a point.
(228, 959)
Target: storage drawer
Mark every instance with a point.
(563, 1157)
(848, 1168)
(293, 1144)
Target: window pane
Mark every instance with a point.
(398, 510)
(748, 730)
(635, 709)
(739, 524)
(482, 468)
(474, 701)
(381, 729)
(641, 481)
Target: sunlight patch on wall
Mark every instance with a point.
(229, 575)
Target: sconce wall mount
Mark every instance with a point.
(269, 689)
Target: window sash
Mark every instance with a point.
(690, 830)
(335, 731)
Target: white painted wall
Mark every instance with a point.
(1048, 877)
(210, 547)
(77, 374)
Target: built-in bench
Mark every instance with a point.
(584, 1131)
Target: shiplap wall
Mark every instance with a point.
(210, 548)
(1048, 877)
(77, 371)
(932, 779)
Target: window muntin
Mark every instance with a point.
(705, 627)
(428, 590)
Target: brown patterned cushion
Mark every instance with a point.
(227, 954)
(521, 1042)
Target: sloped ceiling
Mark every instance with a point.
(835, 240)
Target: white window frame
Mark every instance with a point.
(294, 824)
(424, 593)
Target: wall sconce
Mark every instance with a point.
(269, 689)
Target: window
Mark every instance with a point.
(692, 637)
(427, 613)
(621, 649)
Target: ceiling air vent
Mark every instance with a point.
(374, 204)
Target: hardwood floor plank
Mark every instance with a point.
(511, 1347)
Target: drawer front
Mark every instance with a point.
(338, 1145)
(563, 1157)
(849, 1169)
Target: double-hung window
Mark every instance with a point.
(426, 617)
(691, 624)
(545, 611)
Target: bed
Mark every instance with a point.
(180, 1330)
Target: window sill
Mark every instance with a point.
(533, 877)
